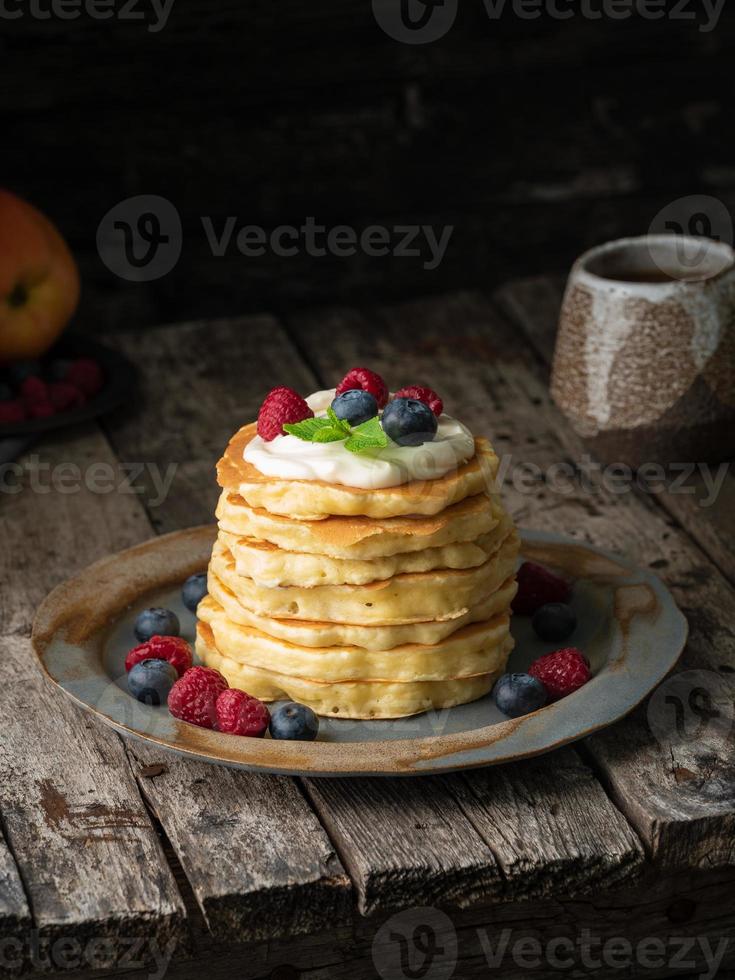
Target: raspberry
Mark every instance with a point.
(239, 713)
(34, 390)
(561, 672)
(193, 697)
(367, 380)
(41, 409)
(86, 375)
(281, 406)
(536, 587)
(426, 395)
(171, 648)
(65, 396)
(12, 411)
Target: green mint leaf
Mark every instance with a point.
(330, 434)
(309, 428)
(372, 429)
(337, 422)
(368, 435)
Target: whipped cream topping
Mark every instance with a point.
(289, 458)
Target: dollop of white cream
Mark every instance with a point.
(289, 458)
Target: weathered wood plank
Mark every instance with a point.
(255, 855)
(561, 838)
(71, 810)
(489, 377)
(405, 842)
(15, 916)
(703, 499)
(664, 929)
(198, 383)
(258, 861)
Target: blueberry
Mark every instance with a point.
(58, 369)
(18, 371)
(355, 406)
(409, 422)
(151, 680)
(554, 621)
(294, 721)
(193, 590)
(156, 622)
(519, 694)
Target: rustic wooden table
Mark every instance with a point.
(113, 853)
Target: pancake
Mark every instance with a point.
(443, 594)
(476, 649)
(350, 699)
(315, 634)
(272, 566)
(360, 537)
(316, 499)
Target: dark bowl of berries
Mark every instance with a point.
(78, 379)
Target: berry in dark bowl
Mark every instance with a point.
(151, 680)
(519, 694)
(409, 422)
(18, 371)
(156, 622)
(12, 411)
(58, 369)
(355, 406)
(77, 380)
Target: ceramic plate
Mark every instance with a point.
(629, 627)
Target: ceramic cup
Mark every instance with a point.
(644, 365)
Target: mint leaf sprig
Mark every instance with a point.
(358, 439)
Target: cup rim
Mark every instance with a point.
(582, 270)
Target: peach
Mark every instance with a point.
(39, 280)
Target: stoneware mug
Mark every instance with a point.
(644, 365)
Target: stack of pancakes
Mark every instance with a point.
(360, 603)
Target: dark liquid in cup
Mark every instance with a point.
(657, 275)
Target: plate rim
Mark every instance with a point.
(425, 755)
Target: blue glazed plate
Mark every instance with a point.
(629, 627)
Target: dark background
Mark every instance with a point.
(535, 139)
